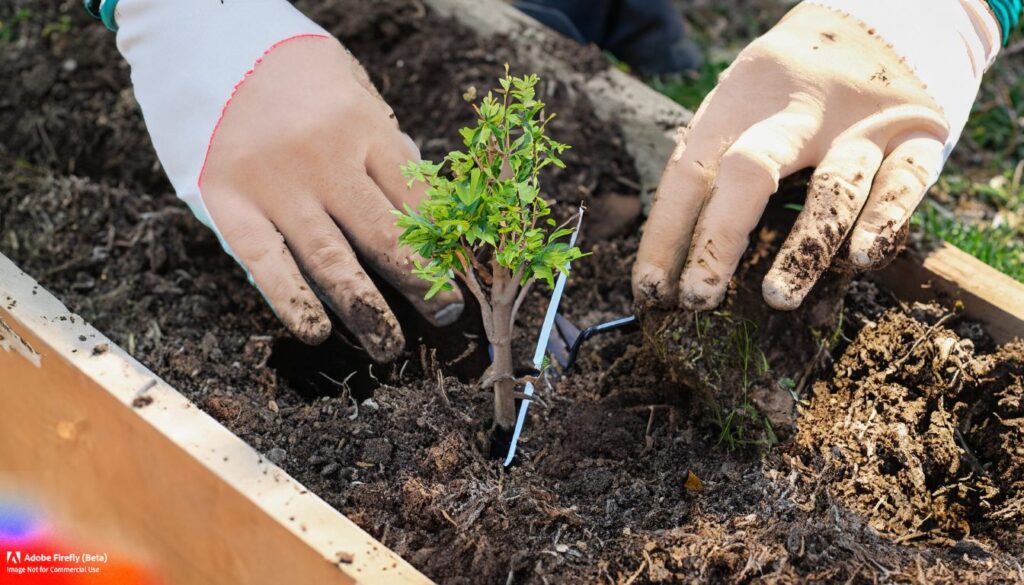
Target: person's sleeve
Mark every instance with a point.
(1008, 14)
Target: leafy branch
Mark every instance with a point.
(484, 221)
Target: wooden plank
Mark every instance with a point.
(164, 480)
(948, 274)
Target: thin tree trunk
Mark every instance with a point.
(503, 296)
(504, 387)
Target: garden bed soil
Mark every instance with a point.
(905, 463)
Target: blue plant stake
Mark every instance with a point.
(542, 344)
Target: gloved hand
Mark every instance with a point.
(277, 140)
(872, 93)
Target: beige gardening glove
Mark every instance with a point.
(277, 140)
(873, 94)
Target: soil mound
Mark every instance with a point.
(923, 432)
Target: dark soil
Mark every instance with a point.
(906, 463)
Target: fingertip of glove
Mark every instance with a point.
(448, 314)
(700, 297)
(779, 294)
(860, 259)
(387, 348)
(650, 288)
(871, 251)
(313, 327)
(861, 244)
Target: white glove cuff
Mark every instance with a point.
(949, 43)
(188, 57)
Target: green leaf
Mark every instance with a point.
(487, 197)
(527, 193)
(437, 287)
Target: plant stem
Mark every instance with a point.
(469, 277)
(504, 386)
(503, 295)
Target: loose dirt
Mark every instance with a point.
(904, 464)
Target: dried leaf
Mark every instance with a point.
(693, 483)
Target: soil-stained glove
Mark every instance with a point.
(276, 139)
(872, 93)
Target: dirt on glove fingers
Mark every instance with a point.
(888, 244)
(734, 355)
(310, 322)
(376, 327)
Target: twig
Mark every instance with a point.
(466, 353)
(401, 373)
(341, 384)
(480, 269)
(346, 392)
(648, 439)
(972, 459)
(519, 301)
(469, 278)
(636, 575)
(440, 386)
(568, 222)
(374, 378)
(798, 392)
(449, 518)
(919, 341)
(447, 402)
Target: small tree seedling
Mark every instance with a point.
(485, 223)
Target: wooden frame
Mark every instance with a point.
(121, 459)
(947, 273)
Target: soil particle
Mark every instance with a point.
(377, 451)
(277, 456)
(142, 402)
(222, 408)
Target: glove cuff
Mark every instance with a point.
(948, 43)
(1007, 12)
(188, 57)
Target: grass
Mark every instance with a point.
(9, 28)
(735, 349)
(690, 90)
(999, 246)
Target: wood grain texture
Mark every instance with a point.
(159, 481)
(949, 274)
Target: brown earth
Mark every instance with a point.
(906, 462)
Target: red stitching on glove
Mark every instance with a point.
(227, 104)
